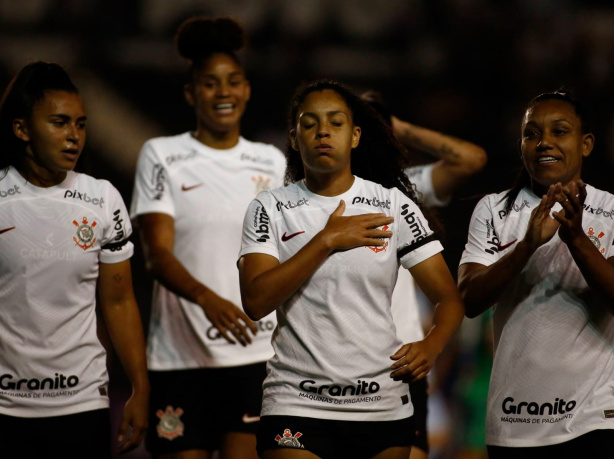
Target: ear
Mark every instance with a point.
(588, 141)
(21, 130)
(293, 141)
(356, 136)
(188, 94)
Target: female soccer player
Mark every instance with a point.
(206, 357)
(541, 255)
(62, 234)
(324, 252)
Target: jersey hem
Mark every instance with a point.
(37, 411)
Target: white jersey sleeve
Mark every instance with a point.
(422, 177)
(259, 236)
(482, 241)
(416, 240)
(115, 244)
(152, 193)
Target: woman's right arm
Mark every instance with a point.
(481, 286)
(158, 239)
(266, 283)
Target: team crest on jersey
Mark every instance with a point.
(261, 183)
(596, 238)
(85, 233)
(289, 440)
(170, 426)
(377, 248)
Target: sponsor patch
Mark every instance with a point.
(288, 440)
(170, 426)
(608, 414)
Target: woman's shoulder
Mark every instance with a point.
(80, 180)
(266, 149)
(599, 202)
(169, 145)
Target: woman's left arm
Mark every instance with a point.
(123, 321)
(415, 360)
(597, 270)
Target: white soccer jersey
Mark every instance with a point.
(553, 371)
(336, 334)
(206, 191)
(51, 243)
(407, 299)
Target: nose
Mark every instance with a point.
(74, 133)
(323, 131)
(223, 89)
(544, 143)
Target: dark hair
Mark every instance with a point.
(26, 89)
(199, 37)
(376, 101)
(523, 178)
(378, 157)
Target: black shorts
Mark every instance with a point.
(73, 436)
(334, 439)
(597, 444)
(419, 398)
(194, 409)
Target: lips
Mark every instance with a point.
(224, 109)
(323, 148)
(547, 160)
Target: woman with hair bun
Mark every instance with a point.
(206, 357)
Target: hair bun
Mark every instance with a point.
(199, 37)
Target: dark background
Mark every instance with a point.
(464, 67)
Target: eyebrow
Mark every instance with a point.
(67, 117)
(215, 77)
(331, 113)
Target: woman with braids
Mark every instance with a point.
(541, 255)
(64, 238)
(324, 252)
(206, 357)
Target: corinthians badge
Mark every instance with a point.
(289, 440)
(170, 426)
(85, 234)
(596, 238)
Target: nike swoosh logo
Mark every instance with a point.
(290, 236)
(501, 248)
(7, 229)
(247, 419)
(188, 188)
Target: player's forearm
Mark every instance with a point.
(454, 151)
(447, 318)
(125, 329)
(481, 286)
(268, 290)
(170, 272)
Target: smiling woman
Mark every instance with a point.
(190, 193)
(59, 243)
(548, 272)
